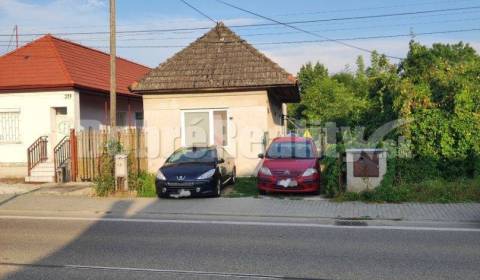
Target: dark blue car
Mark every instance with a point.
(196, 171)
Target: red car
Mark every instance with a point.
(290, 165)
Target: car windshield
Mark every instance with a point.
(290, 150)
(194, 154)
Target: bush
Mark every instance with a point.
(105, 181)
(331, 176)
(144, 184)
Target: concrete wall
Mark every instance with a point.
(249, 117)
(35, 118)
(359, 184)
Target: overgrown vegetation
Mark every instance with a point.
(142, 182)
(435, 90)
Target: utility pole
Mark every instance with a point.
(16, 34)
(113, 85)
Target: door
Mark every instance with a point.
(60, 126)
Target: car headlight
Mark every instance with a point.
(309, 172)
(265, 171)
(160, 176)
(207, 174)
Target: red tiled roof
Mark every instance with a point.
(50, 62)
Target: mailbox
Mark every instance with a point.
(365, 168)
(121, 169)
(366, 165)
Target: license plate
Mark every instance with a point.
(181, 193)
(287, 183)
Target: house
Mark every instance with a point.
(218, 90)
(52, 85)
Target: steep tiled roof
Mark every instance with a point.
(220, 59)
(50, 62)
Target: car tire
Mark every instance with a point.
(218, 188)
(161, 195)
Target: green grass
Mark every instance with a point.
(244, 187)
(429, 191)
(146, 185)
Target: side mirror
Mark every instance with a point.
(261, 155)
(221, 160)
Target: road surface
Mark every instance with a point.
(76, 248)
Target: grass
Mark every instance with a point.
(429, 191)
(146, 185)
(244, 187)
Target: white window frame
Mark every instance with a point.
(211, 136)
(19, 135)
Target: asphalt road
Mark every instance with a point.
(83, 249)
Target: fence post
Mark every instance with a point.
(73, 156)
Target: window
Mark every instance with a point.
(9, 126)
(204, 127)
(139, 119)
(121, 118)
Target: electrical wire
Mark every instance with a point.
(305, 31)
(256, 25)
(199, 11)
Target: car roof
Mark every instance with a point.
(292, 139)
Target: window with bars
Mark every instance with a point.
(9, 126)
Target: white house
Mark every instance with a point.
(51, 85)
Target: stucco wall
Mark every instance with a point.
(248, 120)
(35, 118)
(92, 113)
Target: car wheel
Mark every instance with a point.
(234, 176)
(218, 188)
(161, 195)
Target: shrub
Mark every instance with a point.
(330, 177)
(144, 184)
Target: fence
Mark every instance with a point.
(91, 145)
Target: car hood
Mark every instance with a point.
(190, 171)
(296, 166)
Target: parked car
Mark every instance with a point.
(195, 171)
(290, 165)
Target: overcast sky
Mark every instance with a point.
(77, 16)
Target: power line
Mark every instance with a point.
(371, 8)
(199, 11)
(304, 31)
(304, 41)
(256, 25)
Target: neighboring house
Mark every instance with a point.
(219, 90)
(51, 85)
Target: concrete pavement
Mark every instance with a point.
(238, 207)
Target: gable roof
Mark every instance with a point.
(50, 62)
(220, 59)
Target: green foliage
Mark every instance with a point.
(431, 191)
(331, 184)
(144, 184)
(105, 181)
(437, 88)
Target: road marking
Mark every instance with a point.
(155, 270)
(240, 223)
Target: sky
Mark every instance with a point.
(286, 46)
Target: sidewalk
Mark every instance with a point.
(240, 207)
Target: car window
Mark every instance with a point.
(194, 154)
(290, 150)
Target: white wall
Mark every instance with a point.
(35, 118)
(92, 109)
